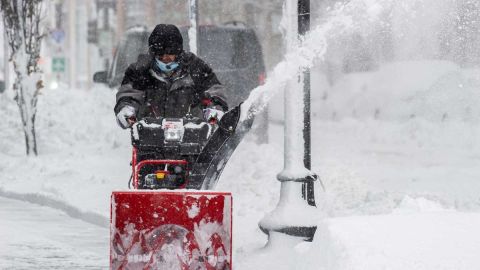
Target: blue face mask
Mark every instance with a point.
(167, 68)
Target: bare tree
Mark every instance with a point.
(22, 28)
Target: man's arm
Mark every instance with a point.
(131, 90)
(128, 95)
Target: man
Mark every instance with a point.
(169, 82)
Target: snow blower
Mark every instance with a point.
(170, 220)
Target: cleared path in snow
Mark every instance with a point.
(38, 237)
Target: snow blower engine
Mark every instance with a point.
(165, 149)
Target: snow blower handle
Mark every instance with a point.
(131, 120)
(212, 115)
(126, 117)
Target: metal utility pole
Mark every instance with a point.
(72, 41)
(193, 31)
(303, 28)
(6, 56)
(295, 212)
(89, 11)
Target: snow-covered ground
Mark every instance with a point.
(401, 192)
(419, 234)
(36, 237)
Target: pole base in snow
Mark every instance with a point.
(306, 233)
(296, 211)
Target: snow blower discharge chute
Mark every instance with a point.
(171, 220)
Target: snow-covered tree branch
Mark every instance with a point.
(23, 33)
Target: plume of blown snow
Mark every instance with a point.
(342, 18)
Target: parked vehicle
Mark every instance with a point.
(232, 50)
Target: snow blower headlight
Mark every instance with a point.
(173, 130)
(172, 135)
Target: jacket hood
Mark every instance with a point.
(165, 39)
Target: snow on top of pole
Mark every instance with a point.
(289, 24)
(192, 31)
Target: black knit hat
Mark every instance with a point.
(165, 39)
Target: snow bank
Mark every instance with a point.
(438, 91)
(422, 239)
(419, 234)
(77, 137)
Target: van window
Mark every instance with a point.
(132, 46)
(254, 50)
(225, 49)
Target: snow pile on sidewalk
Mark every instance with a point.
(418, 235)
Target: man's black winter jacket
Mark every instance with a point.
(154, 94)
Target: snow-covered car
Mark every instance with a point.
(232, 50)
